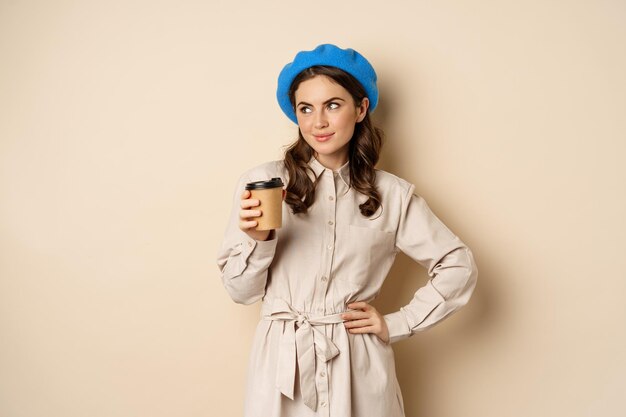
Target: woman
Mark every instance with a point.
(320, 348)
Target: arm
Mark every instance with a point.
(450, 265)
(242, 259)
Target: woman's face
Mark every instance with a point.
(326, 116)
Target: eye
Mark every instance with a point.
(305, 109)
(333, 106)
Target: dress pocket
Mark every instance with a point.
(370, 255)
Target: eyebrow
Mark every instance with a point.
(326, 102)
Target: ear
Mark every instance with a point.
(361, 110)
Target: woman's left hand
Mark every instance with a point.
(365, 320)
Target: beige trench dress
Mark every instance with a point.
(303, 360)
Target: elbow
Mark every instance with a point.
(473, 271)
(241, 287)
(471, 278)
(245, 300)
(471, 284)
(245, 297)
(463, 281)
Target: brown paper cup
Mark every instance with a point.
(270, 194)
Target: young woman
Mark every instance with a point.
(320, 348)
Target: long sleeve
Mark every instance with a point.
(449, 262)
(243, 261)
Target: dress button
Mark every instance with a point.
(323, 374)
(330, 247)
(331, 198)
(324, 279)
(323, 404)
(330, 223)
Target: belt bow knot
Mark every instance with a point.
(301, 344)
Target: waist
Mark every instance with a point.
(279, 309)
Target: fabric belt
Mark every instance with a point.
(301, 344)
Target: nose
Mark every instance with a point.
(320, 120)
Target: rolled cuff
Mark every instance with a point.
(249, 252)
(259, 253)
(398, 326)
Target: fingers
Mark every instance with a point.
(249, 203)
(362, 311)
(359, 319)
(355, 315)
(248, 224)
(365, 319)
(363, 330)
(247, 219)
(360, 305)
(358, 323)
(246, 215)
(246, 201)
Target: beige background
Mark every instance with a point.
(123, 128)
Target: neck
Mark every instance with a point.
(331, 162)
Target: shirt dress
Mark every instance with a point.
(303, 361)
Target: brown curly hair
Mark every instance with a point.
(364, 150)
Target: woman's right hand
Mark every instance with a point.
(247, 217)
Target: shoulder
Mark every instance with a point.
(264, 171)
(390, 184)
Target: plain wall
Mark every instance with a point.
(124, 126)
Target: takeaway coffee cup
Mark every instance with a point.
(270, 194)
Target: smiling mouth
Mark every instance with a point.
(323, 138)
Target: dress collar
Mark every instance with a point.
(343, 171)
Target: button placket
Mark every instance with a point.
(330, 233)
(327, 187)
(322, 390)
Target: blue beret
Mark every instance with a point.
(348, 60)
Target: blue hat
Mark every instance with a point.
(348, 60)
